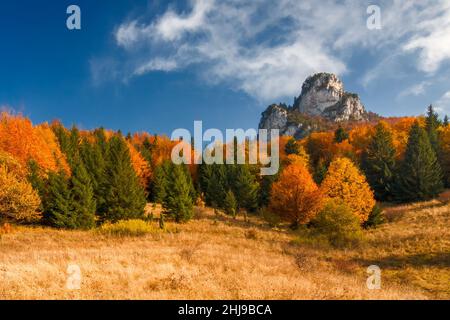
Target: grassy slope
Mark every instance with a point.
(212, 258)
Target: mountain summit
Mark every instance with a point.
(323, 98)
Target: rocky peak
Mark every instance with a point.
(319, 92)
(322, 96)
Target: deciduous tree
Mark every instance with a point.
(344, 182)
(295, 196)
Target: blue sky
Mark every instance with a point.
(159, 65)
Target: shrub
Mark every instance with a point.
(230, 204)
(271, 218)
(127, 228)
(338, 224)
(376, 217)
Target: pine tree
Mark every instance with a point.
(292, 147)
(445, 122)
(378, 162)
(217, 185)
(35, 178)
(57, 202)
(432, 125)
(245, 188)
(420, 176)
(230, 204)
(124, 197)
(265, 188)
(159, 186)
(95, 165)
(68, 141)
(82, 197)
(340, 135)
(178, 201)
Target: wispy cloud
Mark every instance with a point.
(267, 50)
(443, 104)
(415, 90)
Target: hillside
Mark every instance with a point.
(221, 258)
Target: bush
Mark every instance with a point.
(271, 218)
(338, 224)
(128, 228)
(376, 217)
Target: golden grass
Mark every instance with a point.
(219, 258)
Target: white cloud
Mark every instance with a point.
(157, 64)
(415, 90)
(442, 106)
(267, 49)
(432, 37)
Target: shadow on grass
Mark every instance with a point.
(438, 259)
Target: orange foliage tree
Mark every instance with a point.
(344, 182)
(140, 166)
(295, 196)
(25, 142)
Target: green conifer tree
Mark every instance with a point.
(292, 147)
(230, 204)
(432, 125)
(124, 197)
(340, 135)
(245, 188)
(178, 201)
(95, 165)
(378, 162)
(82, 197)
(159, 186)
(57, 202)
(420, 176)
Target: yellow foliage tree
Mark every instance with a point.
(344, 182)
(18, 199)
(295, 196)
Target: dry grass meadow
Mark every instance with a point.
(221, 258)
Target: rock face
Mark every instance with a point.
(322, 96)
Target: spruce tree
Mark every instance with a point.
(432, 125)
(57, 202)
(340, 135)
(82, 197)
(124, 197)
(445, 122)
(420, 176)
(94, 163)
(292, 147)
(230, 204)
(159, 186)
(217, 185)
(245, 188)
(178, 201)
(265, 189)
(378, 162)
